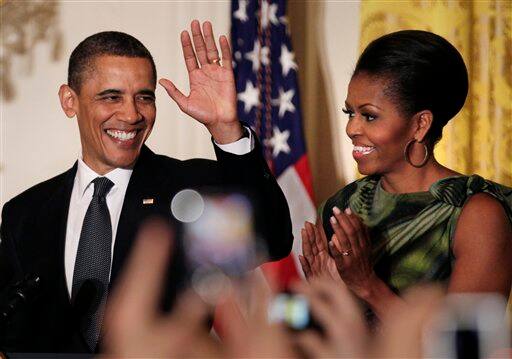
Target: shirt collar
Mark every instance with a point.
(85, 175)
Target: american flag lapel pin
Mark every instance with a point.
(147, 201)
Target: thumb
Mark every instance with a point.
(174, 93)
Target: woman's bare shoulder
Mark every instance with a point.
(482, 217)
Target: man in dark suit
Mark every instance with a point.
(54, 229)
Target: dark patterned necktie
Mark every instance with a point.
(92, 265)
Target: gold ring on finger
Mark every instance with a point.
(346, 253)
(216, 62)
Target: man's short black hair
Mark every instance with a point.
(110, 43)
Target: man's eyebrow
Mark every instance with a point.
(110, 92)
(147, 92)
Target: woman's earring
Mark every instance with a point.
(408, 159)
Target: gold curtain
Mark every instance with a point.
(479, 138)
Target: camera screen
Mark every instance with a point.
(291, 310)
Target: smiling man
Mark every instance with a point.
(113, 99)
(75, 230)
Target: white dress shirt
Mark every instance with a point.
(83, 190)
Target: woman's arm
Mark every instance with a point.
(482, 247)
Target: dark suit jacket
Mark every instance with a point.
(34, 227)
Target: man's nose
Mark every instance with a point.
(130, 112)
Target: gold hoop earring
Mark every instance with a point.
(408, 159)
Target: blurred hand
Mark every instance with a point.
(134, 325)
(212, 98)
(315, 259)
(345, 332)
(337, 313)
(254, 337)
(403, 326)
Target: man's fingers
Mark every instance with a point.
(174, 93)
(339, 296)
(199, 43)
(227, 58)
(234, 325)
(190, 309)
(138, 292)
(188, 52)
(312, 344)
(185, 325)
(407, 322)
(261, 294)
(321, 304)
(209, 39)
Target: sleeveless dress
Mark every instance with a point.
(412, 233)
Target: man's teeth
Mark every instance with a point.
(122, 135)
(363, 149)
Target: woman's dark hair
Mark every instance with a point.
(423, 72)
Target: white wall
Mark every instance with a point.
(38, 141)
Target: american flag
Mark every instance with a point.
(268, 100)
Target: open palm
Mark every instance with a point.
(212, 98)
(316, 260)
(212, 95)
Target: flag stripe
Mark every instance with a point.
(268, 100)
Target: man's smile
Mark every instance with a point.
(122, 135)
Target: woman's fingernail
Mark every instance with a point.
(348, 211)
(336, 210)
(333, 220)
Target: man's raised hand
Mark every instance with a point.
(212, 98)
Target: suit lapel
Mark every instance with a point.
(142, 185)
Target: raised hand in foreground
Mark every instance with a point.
(253, 336)
(339, 316)
(134, 325)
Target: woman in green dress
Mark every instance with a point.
(410, 220)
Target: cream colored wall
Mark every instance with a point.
(341, 49)
(38, 141)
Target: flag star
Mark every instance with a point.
(257, 53)
(284, 20)
(241, 13)
(268, 13)
(250, 97)
(279, 142)
(284, 101)
(287, 60)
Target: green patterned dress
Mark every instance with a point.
(412, 233)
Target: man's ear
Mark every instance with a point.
(68, 100)
(423, 121)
